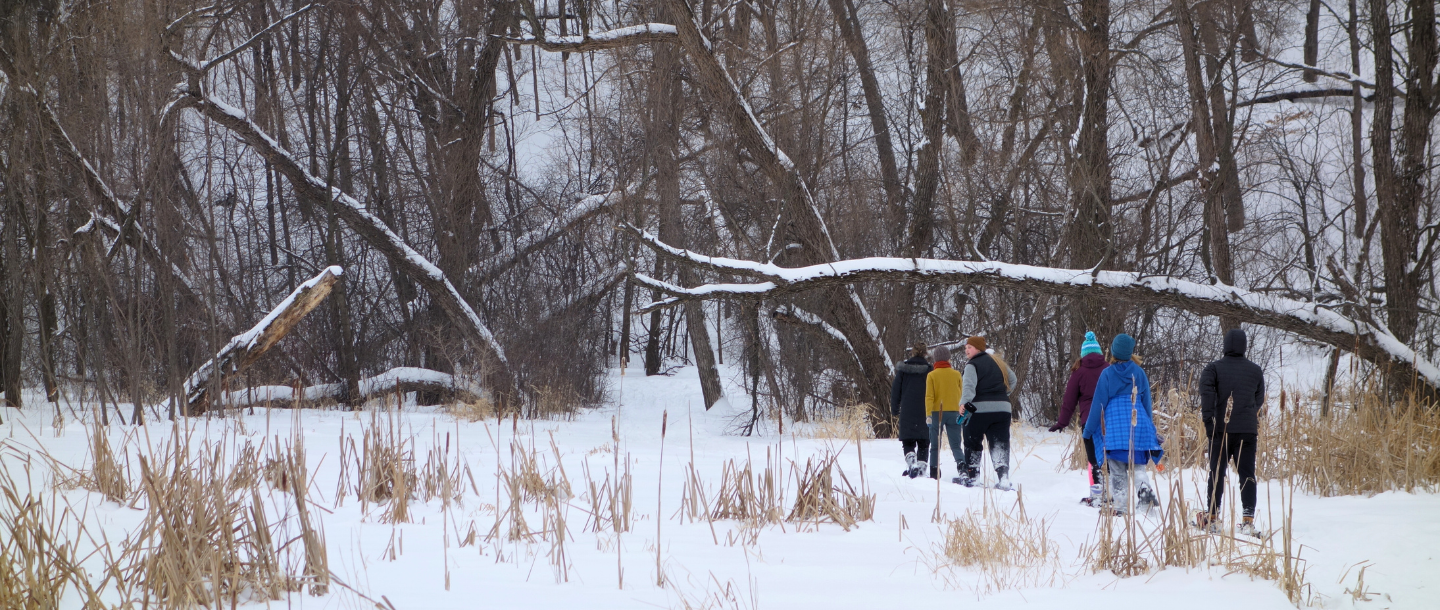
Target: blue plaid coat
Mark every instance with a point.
(1111, 427)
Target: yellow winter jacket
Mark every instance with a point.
(942, 390)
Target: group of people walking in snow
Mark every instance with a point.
(1109, 396)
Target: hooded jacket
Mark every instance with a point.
(907, 398)
(1232, 376)
(1110, 426)
(1081, 390)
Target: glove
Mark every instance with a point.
(1209, 428)
(1057, 427)
(970, 407)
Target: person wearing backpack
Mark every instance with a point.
(1079, 394)
(907, 403)
(1232, 390)
(986, 395)
(1122, 426)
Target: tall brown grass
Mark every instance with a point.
(39, 549)
(1368, 444)
(206, 539)
(1007, 546)
(849, 422)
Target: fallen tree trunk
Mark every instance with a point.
(1310, 320)
(401, 380)
(247, 347)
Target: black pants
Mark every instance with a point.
(921, 447)
(1090, 458)
(1239, 448)
(993, 428)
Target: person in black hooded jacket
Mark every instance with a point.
(907, 403)
(1232, 390)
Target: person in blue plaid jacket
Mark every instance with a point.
(1123, 428)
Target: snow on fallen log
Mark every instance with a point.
(1310, 320)
(401, 380)
(499, 377)
(247, 347)
(610, 39)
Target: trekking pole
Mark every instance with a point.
(1130, 472)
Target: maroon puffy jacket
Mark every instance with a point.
(1081, 389)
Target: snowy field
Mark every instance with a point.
(893, 560)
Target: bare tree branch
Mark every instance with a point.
(371, 229)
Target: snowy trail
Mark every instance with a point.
(877, 564)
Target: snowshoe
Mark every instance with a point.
(1206, 522)
(1147, 499)
(965, 480)
(1247, 528)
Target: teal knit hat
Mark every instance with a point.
(1090, 346)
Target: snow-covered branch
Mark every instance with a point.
(1311, 320)
(369, 227)
(245, 348)
(791, 314)
(644, 33)
(521, 248)
(113, 209)
(210, 63)
(1335, 74)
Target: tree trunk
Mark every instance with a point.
(667, 105)
(805, 224)
(1215, 250)
(848, 19)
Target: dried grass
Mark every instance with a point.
(851, 422)
(1010, 549)
(206, 539)
(1130, 546)
(381, 469)
(39, 558)
(822, 498)
(472, 411)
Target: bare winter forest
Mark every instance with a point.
(519, 195)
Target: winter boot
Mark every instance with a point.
(1002, 479)
(1147, 499)
(920, 468)
(1097, 494)
(1247, 527)
(935, 472)
(969, 477)
(910, 465)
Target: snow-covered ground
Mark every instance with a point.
(888, 562)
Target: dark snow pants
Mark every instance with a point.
(920, 446)
(992, 428)
(1239, 448)
(1090, 457)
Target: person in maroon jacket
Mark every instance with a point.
(1078, 392)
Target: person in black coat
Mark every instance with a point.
(907, 403)
(1232, 390)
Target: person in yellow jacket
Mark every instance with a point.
(942, 410)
